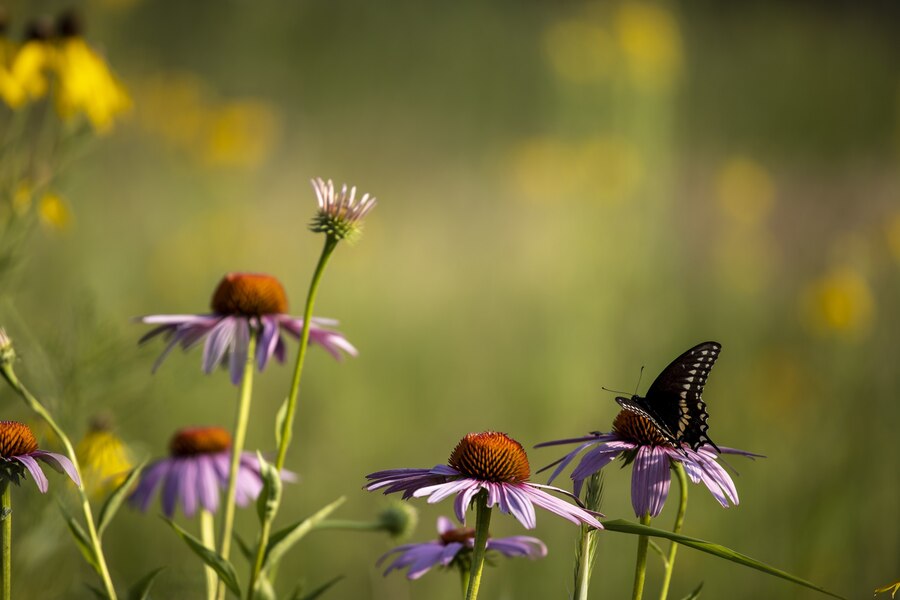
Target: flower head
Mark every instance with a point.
(489, 461)
(637, 440)
(104, 457)
(195, 472)
(340, 214)
(243, 304)
(454, 547)
(18, 451)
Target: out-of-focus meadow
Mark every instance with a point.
(567, 191)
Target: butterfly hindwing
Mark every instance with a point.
(674, 402)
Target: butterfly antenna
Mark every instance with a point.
(640, 376)
(605, 389)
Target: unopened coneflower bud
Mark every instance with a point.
(399, 519)
(69, 24)
(340, 213)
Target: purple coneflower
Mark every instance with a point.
(489, 461)
(637, 440)
(195, 472)
(454, 548)
(243, 304)
(19, 451)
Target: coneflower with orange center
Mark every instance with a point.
(243, 304)
(637, 440)
(489, 461)
(19, 453)
(196, 471)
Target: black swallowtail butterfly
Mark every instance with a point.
(673, 403)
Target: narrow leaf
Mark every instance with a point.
(316, 592)
(710, 548)
(284, 540)
(280, 417)
(115, 499)
(81, 540)
(141, 589)
(264, 589)
(695, 594)
(242, 546)
(218, 564)
(270, 496)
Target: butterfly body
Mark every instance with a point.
(674, 403)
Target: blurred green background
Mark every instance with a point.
(568, 191)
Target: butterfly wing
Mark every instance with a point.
(674, 401)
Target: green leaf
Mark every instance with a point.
(115, 499)
(97, 592)
(710, 548)
(316, 592)
(141, 589)
(270, 496)
(284, 540)
(242, 546)
(695, 594)
(81, 540)
(212, 558)
(280, 418)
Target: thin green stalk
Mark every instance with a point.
(640, 567)
(583, 568)
(6, 540)
(464, 579)
(679, 521)
(482, 525)
(291, 410)
(208, 537)
(42, 412)
(349, 525)
(237, 447)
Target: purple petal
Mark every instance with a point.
(189, 486)
(268, 341)
(59, 463)
(150, 478)
(218, 343)
(444, 525)
(39, 478)
(239, 348)
(207, 484)
(598, 458)
(649, 481)
(558, 506)
(519, 545)
(594, 437)
(172, 486)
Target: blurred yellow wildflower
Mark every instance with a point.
(87, 86)
(54, 213)
(21, 200)
(23, 72)
(579, 51)
(745, 190)
(180, 109)
(104, 457)
(841, 302)
(650, 39)
(893, 236)
(239, 134)
(604, 169)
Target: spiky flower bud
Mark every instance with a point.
(340, 213)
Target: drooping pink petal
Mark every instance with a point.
(36, 473)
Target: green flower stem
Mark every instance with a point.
(482, 524)
(583, 568)
(208, 537)
(42, 412)
(6, 540)
(679, 521)
(464, 579)
(640, 567)
(287, 427)
(237, 447)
